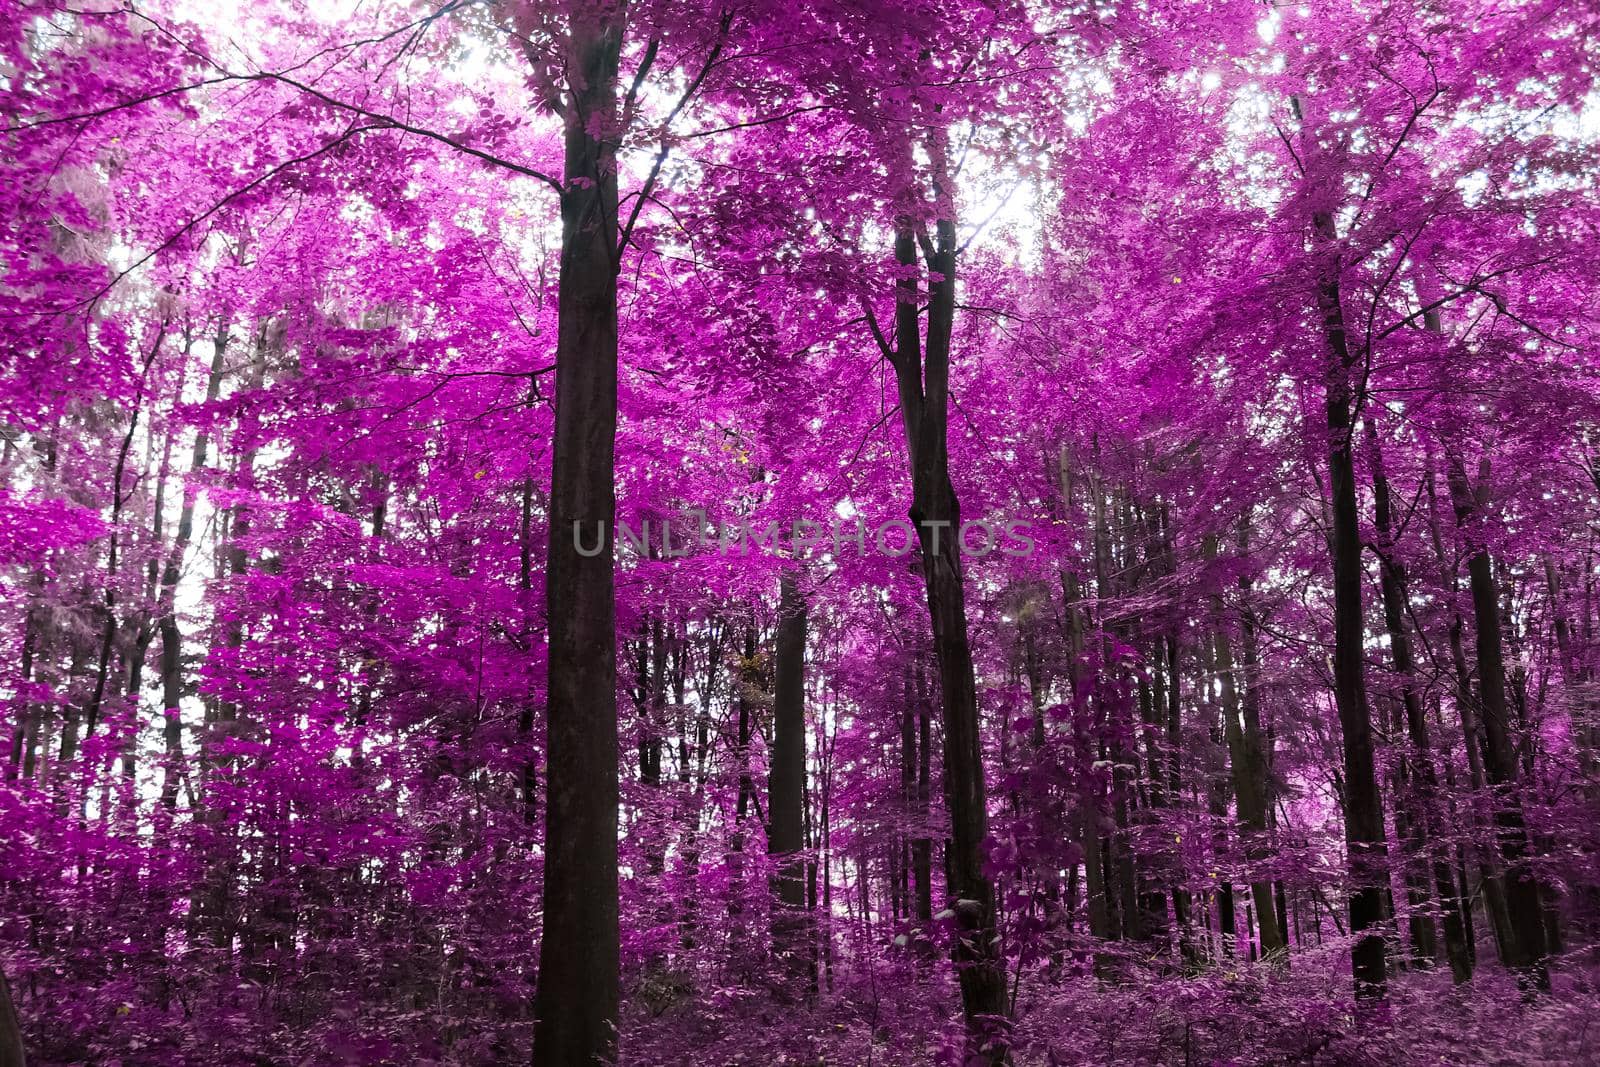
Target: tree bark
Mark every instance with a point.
(1364, 832)
(167, 625)
(11, 1049)
(1249, 764)
(1494, 899)
(1526, 950)
(1424, 775)
(922, 844)
(786, 779)
(575, 1006)
(923, 376)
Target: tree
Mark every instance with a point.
(1091, 493)
(577, 992)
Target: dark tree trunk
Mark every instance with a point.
(786, 780)
(908, 784)
(11, 1050)
(1182, 904)
(1576, 679)
(1249, 763)
(576, 1003)
(922, 844)
(1424, 776)
(91, 717)
(653, 732)
(1526, 949)
(1227, 918)
(1494, 898)
(1363, 803)
(25, 730)
(923, 378)
(1165, 718)
(744, 683)
(530, 763)
(1218, 787)
(1364, 833)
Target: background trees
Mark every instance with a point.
(1273, 327)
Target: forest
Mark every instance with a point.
(799, 533)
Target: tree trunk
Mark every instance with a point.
(1494, 898)
(1526, 950)
(787, 776)
(171, 637)
(11, 1050)
(1182, 905)
(576, 1003)
(922, 844)
(1249, 764)
(1424, 775)
(1364, 833)
(923, 375)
